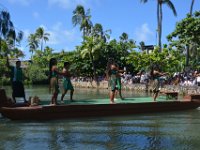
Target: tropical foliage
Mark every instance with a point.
(186, 38)
(8, 33)
(82, 18)
(89, 59)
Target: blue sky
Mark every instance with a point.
(138, 20)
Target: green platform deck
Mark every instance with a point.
(107, 100)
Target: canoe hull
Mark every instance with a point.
(93, 110)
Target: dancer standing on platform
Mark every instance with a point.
(155, 75)
(67, 85)
(113, 73)
(119, 82)
(53, 78)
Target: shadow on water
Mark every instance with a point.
(155, 131)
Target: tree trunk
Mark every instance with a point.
(158, 22)
(187, 55)
(160, 26)
(41, 44)
(187, 46)
(191, 7)
(161, 17)
(0, 45)
(84, 33)
(94, 68)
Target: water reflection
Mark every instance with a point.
(153, 131)
(79, 93)
(174, 130)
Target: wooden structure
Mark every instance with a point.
(80, 110)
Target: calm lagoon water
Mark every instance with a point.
(155, 131)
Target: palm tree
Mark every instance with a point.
(13, 38)
(32, 43)
(82, 18)
(7, 31)
(125, 46)
(160, 16)
(6, 25)
(98, 32)
(123, 37)
(19, 36)
(42, 36)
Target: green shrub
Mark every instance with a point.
(36, 75)
(4, 81)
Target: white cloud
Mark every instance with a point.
(143, 33)
(21, 2)
(26, 32)
(57, 26)
(61, 3)
(59, 36)
(67, 4)
(36, 15)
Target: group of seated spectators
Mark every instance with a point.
(190, 78)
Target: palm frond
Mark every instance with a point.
(143, 1)
(171, 6)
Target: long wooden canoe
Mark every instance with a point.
(67, 111)
(94, 108)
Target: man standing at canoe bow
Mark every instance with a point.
(17, 77)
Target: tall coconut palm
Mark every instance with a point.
(160, 16)
(42, 36)
(19, 37)
(7, 31)
(82, 18)
(5, 25)
(32, 43)
(10, 38)
(98, 32)
(123, 37)
(14, 38)
(123, 47)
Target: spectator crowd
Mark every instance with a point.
(190, 78)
